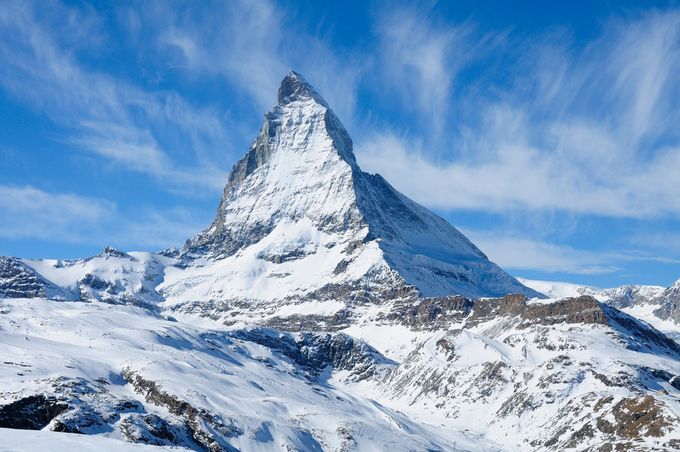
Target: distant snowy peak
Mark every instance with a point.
(650, 303)
(295, 88)
(112, 276)
(670, 303)
(18, 280)
(299, 190)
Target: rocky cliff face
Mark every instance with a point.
(669, 302)
(18, 280)
(650, 303)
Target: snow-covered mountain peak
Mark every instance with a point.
(302, 217)
(109, 252)
(295, 88)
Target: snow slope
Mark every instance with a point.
(537, 385)
(14, 440)
(122, 373)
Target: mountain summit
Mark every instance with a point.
(299, 220)
(294, 88)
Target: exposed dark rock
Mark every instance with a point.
(670, 303)
(113, 252)
(94, 282)
(584, 310)
(431, 313)
(31, 413)
(637, 417)
(207, 430)
(315, 352)
(18, 280)
(154, 430)
(639, 335)
(283, 257)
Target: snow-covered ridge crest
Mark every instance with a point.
(295, 88)
(659, 306)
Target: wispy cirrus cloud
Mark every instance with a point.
(107, 116)
(253, 45)
(421, 58)
(519, 253)
(588, 130)
(29, 212)
(520, 177)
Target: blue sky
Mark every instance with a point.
(548, 134)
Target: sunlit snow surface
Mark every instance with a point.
(14, 440)
(264, 394)
(445, 390)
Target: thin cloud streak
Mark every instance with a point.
(521, 253)
(421, 60)
(31, 213)
(109, 117)
(590, 132)
(253, 45)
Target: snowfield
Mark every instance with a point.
(14, 440)
(89, 355)
(498, 382)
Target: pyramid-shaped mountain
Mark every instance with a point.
(299, 219)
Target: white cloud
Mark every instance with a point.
(521, 253)
(517, 178)
(420, 59)
(253, 45)
(31, 213)
(108, 117)
(28, 212)
(590, 131)
(158, 230)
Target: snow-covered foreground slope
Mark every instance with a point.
(547, 376)
(494, 374)
(13, 440)
(118, 371)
